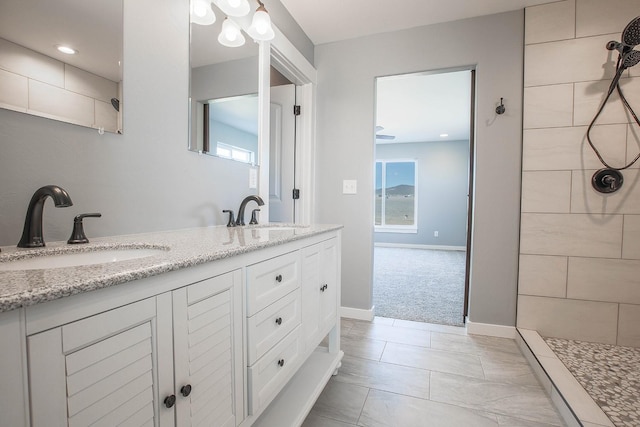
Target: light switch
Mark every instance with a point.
(349, 186)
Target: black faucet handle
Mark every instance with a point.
(232, 221)
(254, 220)
(77, 235)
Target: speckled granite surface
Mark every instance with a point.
(610, 374)
(180, 249)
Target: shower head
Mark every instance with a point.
(631, 33)
(630, 38)
(630, 58)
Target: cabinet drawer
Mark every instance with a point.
(269, 374)
(270, 280)
(270, 325)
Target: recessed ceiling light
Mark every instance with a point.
(444, 135)
(66, 49)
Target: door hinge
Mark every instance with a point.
(296, 110)
(296, 194)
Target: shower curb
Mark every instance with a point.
(572, 401)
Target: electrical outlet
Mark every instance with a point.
(253, 178)
(435, 234)
(349, 186)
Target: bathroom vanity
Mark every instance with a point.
(211, 326)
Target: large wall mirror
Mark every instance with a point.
(83, 86)
(223, 94)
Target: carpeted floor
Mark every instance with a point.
(419, 284)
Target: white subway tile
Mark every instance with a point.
(14, 91)
(28, 63)
(53, 102)
(585, 199)
(548, 22)
(572, 319)
(603, 17)
(611, 280)
(566, 148)
(589, 96)
(571, 234)
(543, 276)
(568, 61)
(631, 237)
(546, 191)
(628, 330)
(91, 85)
(548, 106)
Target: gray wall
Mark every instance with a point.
(346, 80)
(443, 182)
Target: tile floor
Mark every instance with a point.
(409, 374)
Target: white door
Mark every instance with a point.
(282, 154)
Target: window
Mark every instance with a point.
(235, 153)
(396, 205)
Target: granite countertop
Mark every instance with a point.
(177, 249)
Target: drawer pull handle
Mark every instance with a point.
(281, 362)
(169, 401)
(324, 287)
(279, 321)
(186, 390)
(279, 278)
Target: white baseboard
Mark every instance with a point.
(488, 329)
(357, 313)
(411, 246)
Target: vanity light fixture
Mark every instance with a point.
(66, 49)
(261, 28)
(233, 7)
(230, 36)
(202, 12)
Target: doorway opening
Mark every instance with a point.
(423, 181)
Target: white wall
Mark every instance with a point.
(144, 180)
(579, 253)
(346, 81)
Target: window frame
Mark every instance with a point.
(386, 228)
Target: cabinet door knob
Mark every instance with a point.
(279, 278)
(279, 321)
(281, 362)
(169, 401)
(186, 390)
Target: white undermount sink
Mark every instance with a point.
(75, 259)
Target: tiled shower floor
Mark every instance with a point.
(610, 374)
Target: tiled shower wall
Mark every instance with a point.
(39, 85)
(580, 250)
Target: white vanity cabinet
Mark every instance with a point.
(234, 342)
(319, 290)
(118, 367)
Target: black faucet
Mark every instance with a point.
(243, 205)
(32, 232)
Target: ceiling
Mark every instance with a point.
(334, 20)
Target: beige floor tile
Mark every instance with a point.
(458, 330)
(314, 420)
(524, 402)
(383, 320)
(391, 334)
(384, 409)
(340, 402)
(362, 347)
(384, 376)
(505, 421)
(433, 360)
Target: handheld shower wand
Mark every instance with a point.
(627, 57)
